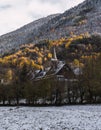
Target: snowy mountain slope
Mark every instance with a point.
(86, 17)
(23, 35)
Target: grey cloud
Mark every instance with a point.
(5, 7)
(51, 1)
(21, 12)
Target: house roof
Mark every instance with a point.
(59, 67)
(52, 71)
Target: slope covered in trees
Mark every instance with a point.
(79, 51)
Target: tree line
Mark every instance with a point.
(84, 52)
(50, 91)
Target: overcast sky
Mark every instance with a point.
(16, 13)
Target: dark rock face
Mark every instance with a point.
(86, 17)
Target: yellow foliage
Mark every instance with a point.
(1, 60)
(9, 74)
(24, 61)
(40, 54)
(49, 55)
(14, 61)
(57, 42)
(83, 22)
(76, 62)
(39, 60)
(45, 59)
(75, 37)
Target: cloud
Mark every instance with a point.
(43, 8)
(16, 13)
(4, 7)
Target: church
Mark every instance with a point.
(58, 69)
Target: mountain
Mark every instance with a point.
(86, 17)
(22, 35)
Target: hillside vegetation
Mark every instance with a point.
(79, 51)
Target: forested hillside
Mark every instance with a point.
(17, 70)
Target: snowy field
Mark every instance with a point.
(51, 118)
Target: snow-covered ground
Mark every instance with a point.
(86, 117)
